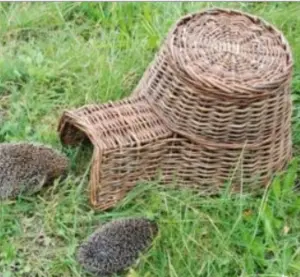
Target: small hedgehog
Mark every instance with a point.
(26, 168)
(115, 246)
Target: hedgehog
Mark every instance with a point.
(116, 246)
(25, 168)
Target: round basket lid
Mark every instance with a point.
(239, 54)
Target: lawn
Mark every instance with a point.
(55, 56)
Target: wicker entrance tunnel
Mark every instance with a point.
(213, 106)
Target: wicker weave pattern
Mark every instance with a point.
(213, 106)
(221, 76)
(212, 167)
(129, 122)
(118, 165)
(130, 143)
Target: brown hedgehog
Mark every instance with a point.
(114, 247)
(25, 168)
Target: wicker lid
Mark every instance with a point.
(240, 54)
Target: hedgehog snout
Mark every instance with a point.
(58, 168)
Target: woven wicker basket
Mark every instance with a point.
(214, 105)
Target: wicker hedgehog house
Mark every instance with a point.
(213, 106)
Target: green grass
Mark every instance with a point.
(63, 55)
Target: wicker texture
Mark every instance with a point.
(129, 122)
(129, 141)
(147, 150)
(221, 76)
(213, 106)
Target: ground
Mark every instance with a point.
(55, 56)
